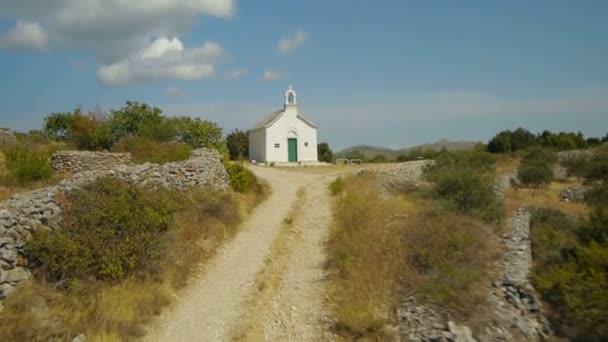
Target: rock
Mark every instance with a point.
(7, 137)
(80, 338)
(461, 333)
(15, 275)
(6, 290)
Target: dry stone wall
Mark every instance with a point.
(79, 161)
(23, 214)
(7, 137)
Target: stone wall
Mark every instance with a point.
(79, 161)
(7, 137)
(24, 213)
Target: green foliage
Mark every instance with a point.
(597, 195)
(58, 126)
(571, 271)
(97, 131)
(26, 164)
(379, 158)
(536, 168)
(465, 180)
(521, 139)
(238, 145)
(241, 179)
(469, 193)
(146, 150)
(139, 119)
(511, 141)
(324, 153)
(200, 133)
(336, 186)
(417, 154)
(110, 230)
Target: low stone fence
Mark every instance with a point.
(7, 137)
(79, 161)
(24, 213)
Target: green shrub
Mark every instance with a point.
(146, 150)
(110, 230)
(25, 164)
(336, 186)
(469, 193)
(241, 179)
(536, 168)
(471, 161)
(571, 271)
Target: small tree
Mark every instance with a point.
(324, 153)
(535, 175)
(58, 126)
(238, 144)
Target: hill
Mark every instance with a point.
(371, 151)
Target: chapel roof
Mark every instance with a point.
(274, 116)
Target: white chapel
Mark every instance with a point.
(284, 136)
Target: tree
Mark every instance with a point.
(58, 126)
(238, 144)
(500, 143)
(534, 175)
(139, 119)
(200, 133)
(324, 153)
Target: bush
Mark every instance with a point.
(145, 150)
(336, 186)
(472, 161)
(241, 179)
(469, 193)
(536, 168)
(465, 180)
(570, 271)
(324, 153)
(25, 164)
(238, 144)
(110, 230)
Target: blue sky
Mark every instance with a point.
(391, 73)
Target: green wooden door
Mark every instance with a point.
(292, 146)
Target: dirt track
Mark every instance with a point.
(267, 283)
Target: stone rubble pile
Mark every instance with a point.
(573, 194)
(80, 161)
(22, 214)
(516, 307)
(573, 154)
(7, 137)
(406, 171)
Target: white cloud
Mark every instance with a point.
(177, 92)
(26, 35)
(271, 75)
(163, 59)
(113, 29)
(234, 74)
(287, 45)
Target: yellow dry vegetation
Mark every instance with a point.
(117, 311)
(545, 198)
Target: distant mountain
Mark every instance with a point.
(371, 151)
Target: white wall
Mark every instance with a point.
(280, 131)
(257, 145)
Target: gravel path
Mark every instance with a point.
(290, 304)
(218, 301)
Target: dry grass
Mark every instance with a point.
(8, 189)
(382, 248)
(364, 255)
(117, 311)
(545, 198)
